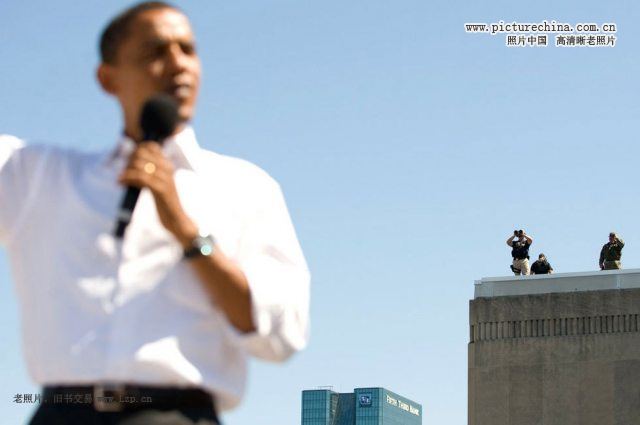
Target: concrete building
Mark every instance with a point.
(364, 406)
(559, 349)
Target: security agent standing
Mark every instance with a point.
(611, 253)
(541, 266)
(520, 252)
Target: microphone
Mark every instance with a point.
(158, 120)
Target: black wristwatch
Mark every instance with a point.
(201, 246)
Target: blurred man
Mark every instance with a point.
(155, 327)
(520, 243)
(541, 266)
(611, 253)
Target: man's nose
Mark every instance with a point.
(176, 58)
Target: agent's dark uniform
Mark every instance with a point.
(520, 254)
(541, 267)
(610, 255)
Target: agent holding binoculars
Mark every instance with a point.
(520, 252)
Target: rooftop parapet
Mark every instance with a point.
(488, 287)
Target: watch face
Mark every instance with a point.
(205, 244)
(206, 249)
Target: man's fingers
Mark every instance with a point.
(148, 151)
(151, 146)
(158, 182)
(134, 177)
(139, 175)
(150, 166)
(147, 154)
(148, 147)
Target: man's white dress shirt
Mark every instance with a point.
(95, 309)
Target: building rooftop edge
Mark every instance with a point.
(488, 287)
(366, 388)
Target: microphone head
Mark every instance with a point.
(159, 117)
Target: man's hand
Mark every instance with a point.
(221, 277)
(148, 167)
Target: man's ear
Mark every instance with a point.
(106, 78)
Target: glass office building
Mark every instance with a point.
(364, 406)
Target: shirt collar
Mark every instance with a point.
(181, 148)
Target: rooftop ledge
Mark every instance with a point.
(560, 282)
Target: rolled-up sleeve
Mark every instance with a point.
(12, 192)
(279, 280)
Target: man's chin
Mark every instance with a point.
(185, 113)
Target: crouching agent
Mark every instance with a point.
(541, 266)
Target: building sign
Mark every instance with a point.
(365, 400)
(402, 405)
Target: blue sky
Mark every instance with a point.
(408, 151)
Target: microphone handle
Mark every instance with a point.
(126, 210)
(129, 201)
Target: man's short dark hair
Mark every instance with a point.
(118, 28)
